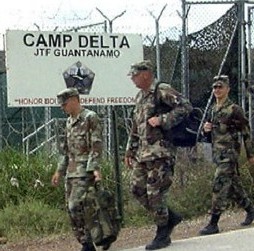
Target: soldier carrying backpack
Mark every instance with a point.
(91, 209)
(185, 133)
(149, 155)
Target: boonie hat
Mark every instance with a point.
(63, 96)
(221, 80)
(145, 65)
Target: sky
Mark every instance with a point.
(132, 16)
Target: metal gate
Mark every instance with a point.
(219, 42)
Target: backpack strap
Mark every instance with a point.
(156, 99)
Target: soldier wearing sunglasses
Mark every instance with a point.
(228, 128)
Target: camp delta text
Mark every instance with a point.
(85, 45)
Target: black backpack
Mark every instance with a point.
(185, 133)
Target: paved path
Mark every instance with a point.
(238, 240)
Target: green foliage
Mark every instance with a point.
(246, 171)
(32, 219)
(194, 198)
(22, 179)
(32, 207)
(135, 215)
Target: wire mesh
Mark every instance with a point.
(208, 33)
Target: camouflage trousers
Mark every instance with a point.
(75, 188)
(227, 186)
(150, 185)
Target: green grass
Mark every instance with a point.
(31, 207)
(31, 219)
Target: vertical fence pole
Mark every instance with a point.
(184, 88)
(158, 60)
(241, 54)
(1, 112)
(250, 10)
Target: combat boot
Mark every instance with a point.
(108, 241)
(212, 227)
(161, 239)
(249, 217)
(173, 220)
(88, 246)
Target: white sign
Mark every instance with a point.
(41, 64)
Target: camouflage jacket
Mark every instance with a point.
(230, 126)
(145, 142)
(82, 146)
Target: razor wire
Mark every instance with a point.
(18, 123)
(210, 41)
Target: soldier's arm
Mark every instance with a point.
(132, 144)
(63, 159)
(96, 146)
(179, 108)
(242, 125)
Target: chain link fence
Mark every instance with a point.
(24, 128)
(209, 31)
(250, 76)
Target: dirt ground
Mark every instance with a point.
(129, 237)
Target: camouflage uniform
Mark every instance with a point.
(226, 127)
(80, 156)
(154, 162)
(229, 124)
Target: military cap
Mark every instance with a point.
(63, 96)
(145, 65)
(221, 80)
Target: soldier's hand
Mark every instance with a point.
(154, 121)
(97, 175)
(55, 179)
(208, 127)
(128, 161)
(251, 160)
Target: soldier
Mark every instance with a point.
(226, 127)
(79, 162)
(151, 159)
